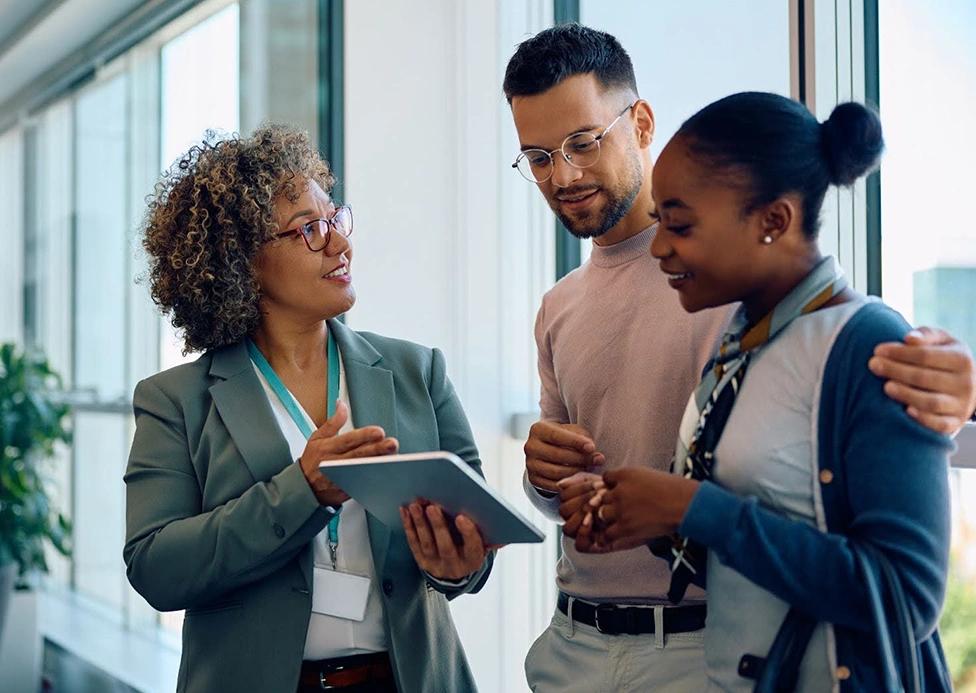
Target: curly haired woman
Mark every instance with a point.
(287, 583)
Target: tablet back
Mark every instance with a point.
(383, 484)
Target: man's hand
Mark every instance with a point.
(555, 451)
(326, 444)
(575, 493)
(578, 495)
(933, 374)
(439, 551)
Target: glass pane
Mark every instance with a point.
(928, 84)
(200, 89)
(11, 223)
(200, 83)
(47, 283)
(46, 301)
(279, 63)
(58, 484)
(49, 217)
(928, 89)
(101, 445)
(956, 628)
(688, 54)
(100, 239)
(31, 233)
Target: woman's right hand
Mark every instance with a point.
(327, 444)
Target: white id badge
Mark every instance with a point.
(343, 595)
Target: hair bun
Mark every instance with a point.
(852, 142)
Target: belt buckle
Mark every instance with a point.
(324, 679)
(606, 609)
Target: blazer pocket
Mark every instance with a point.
(214, 608)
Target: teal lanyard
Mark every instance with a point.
(291, 406)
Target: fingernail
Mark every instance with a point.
(874, 364)
(913, 412)
(915, 334)
(588, 520)
(589, 447)
(598, 484)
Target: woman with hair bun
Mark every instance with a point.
(792, 464)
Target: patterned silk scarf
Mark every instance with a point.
(710, 405)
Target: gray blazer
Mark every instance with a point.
(219, 518)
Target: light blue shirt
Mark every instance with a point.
(769, 451)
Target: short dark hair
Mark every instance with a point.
(782, 148)
(552, 55)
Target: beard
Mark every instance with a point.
(619, 202)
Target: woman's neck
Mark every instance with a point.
(778, 287)
(291, 345)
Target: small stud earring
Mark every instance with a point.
(767, 239)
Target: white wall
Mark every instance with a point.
(454, 250)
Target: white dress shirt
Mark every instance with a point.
(330, 636)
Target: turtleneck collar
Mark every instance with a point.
(624, 251)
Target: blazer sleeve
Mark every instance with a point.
(178, 556)
(455, 436)
(890, 478)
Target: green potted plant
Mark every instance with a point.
(33, 419)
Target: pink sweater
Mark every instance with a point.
(619, 356)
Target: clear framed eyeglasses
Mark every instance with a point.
(580, 150)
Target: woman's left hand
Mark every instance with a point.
(438, 551)
(638, 505)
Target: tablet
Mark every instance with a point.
(383, 484)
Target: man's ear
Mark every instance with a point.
(644, 120)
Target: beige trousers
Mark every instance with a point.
(574, 657)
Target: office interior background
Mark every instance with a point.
(453, 248)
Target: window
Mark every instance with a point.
(689, 54)
(927, 72)
(48, 279)
(11, 207)
(195, 99)
(73, 183)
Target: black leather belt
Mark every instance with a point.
(611, 619)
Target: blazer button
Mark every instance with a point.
(826, 476)
(843, 673)
(388, 587)
(279, 530)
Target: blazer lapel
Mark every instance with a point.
(373, 399)
(247, 414)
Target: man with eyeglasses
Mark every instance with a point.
(618, 358)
